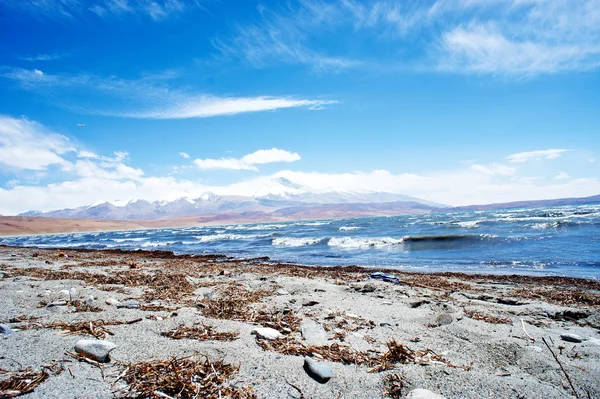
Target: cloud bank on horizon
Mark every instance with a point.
(88, 177)
(453, 101)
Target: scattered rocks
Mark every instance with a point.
(266, 333)
(129, 304)
(111, 301)
(313, 333)
(4, 329)
(95, 349)
(423, 394)
(572, 338)
(317, 371)
(443, 319)
(282, 292)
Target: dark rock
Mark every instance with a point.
(310, 303)
(416, 304)
(510, 301)
(4, 329)
(385, 325)
(317, 371)
(129, 304)
(571, 338)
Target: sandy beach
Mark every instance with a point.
(460, 336)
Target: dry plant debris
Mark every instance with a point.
(20, 382)
(559, 296)
(346, 322)
(201, 332)
(472, 314)
(22, 317)
(396, 354)
(82, 306)
(394, 384)
(96, 328)
(182, 377)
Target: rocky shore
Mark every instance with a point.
(104, 324)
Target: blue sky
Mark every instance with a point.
(431, 99)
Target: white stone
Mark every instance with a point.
(282, 292)
(266, 333)
(64, 294)
(95, 349)
(423, 394)
(73, 293)
(111, 301)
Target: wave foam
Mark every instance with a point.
(297, 242)
(364, 243)
(349, 228)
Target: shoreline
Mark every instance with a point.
(460, 335)
(364, 269)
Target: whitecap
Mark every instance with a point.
(349, 228)
(296, 241)
(364, 243)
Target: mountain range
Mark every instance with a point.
(280, 197)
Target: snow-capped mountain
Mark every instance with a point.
(276, 195)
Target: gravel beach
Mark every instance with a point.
(460, 336)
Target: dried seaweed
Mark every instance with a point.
(22, 318)
(559, 296)
(377, 361)
(182, 377)
(25, 380)
(394, 384)
(472, 314)
(96, 328)
(201, 332)
(82, 306)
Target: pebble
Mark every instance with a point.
(64, 294)
(423, 394)
(266, 333)
(572, 338)
(4, 329)
(95, 349)
(73, 293)
(385, 325)
(313, 333)
(57, 303)
(282, 292)
(444, 319)
(317, 371)
(111, 301)
(387, 303)
(130, 304)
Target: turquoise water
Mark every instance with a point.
(543, 241)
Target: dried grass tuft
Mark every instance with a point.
(201, 332)
(472, 314)
(394, 384)
(24, 381)
(182, 377)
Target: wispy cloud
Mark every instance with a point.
(562, 176)
(535, 155)
(44, 57)
(184, 154)
(248, 162)
(148, 98)
(513, 37)
(154, 9)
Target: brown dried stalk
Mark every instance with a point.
(186, 377)
(201, 332)
(24, 381)
(394, 384)
(472, 314)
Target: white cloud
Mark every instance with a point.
(514, 37)
(208, 106)
(90, 179)
(269, 156)
(535, 155)
(70, 9)
(184, 154)
(43, 57)
(223, 163)
(248, 161)
(149, 97)
(27, 145)
(562, 176)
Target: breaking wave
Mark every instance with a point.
(297, 242)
